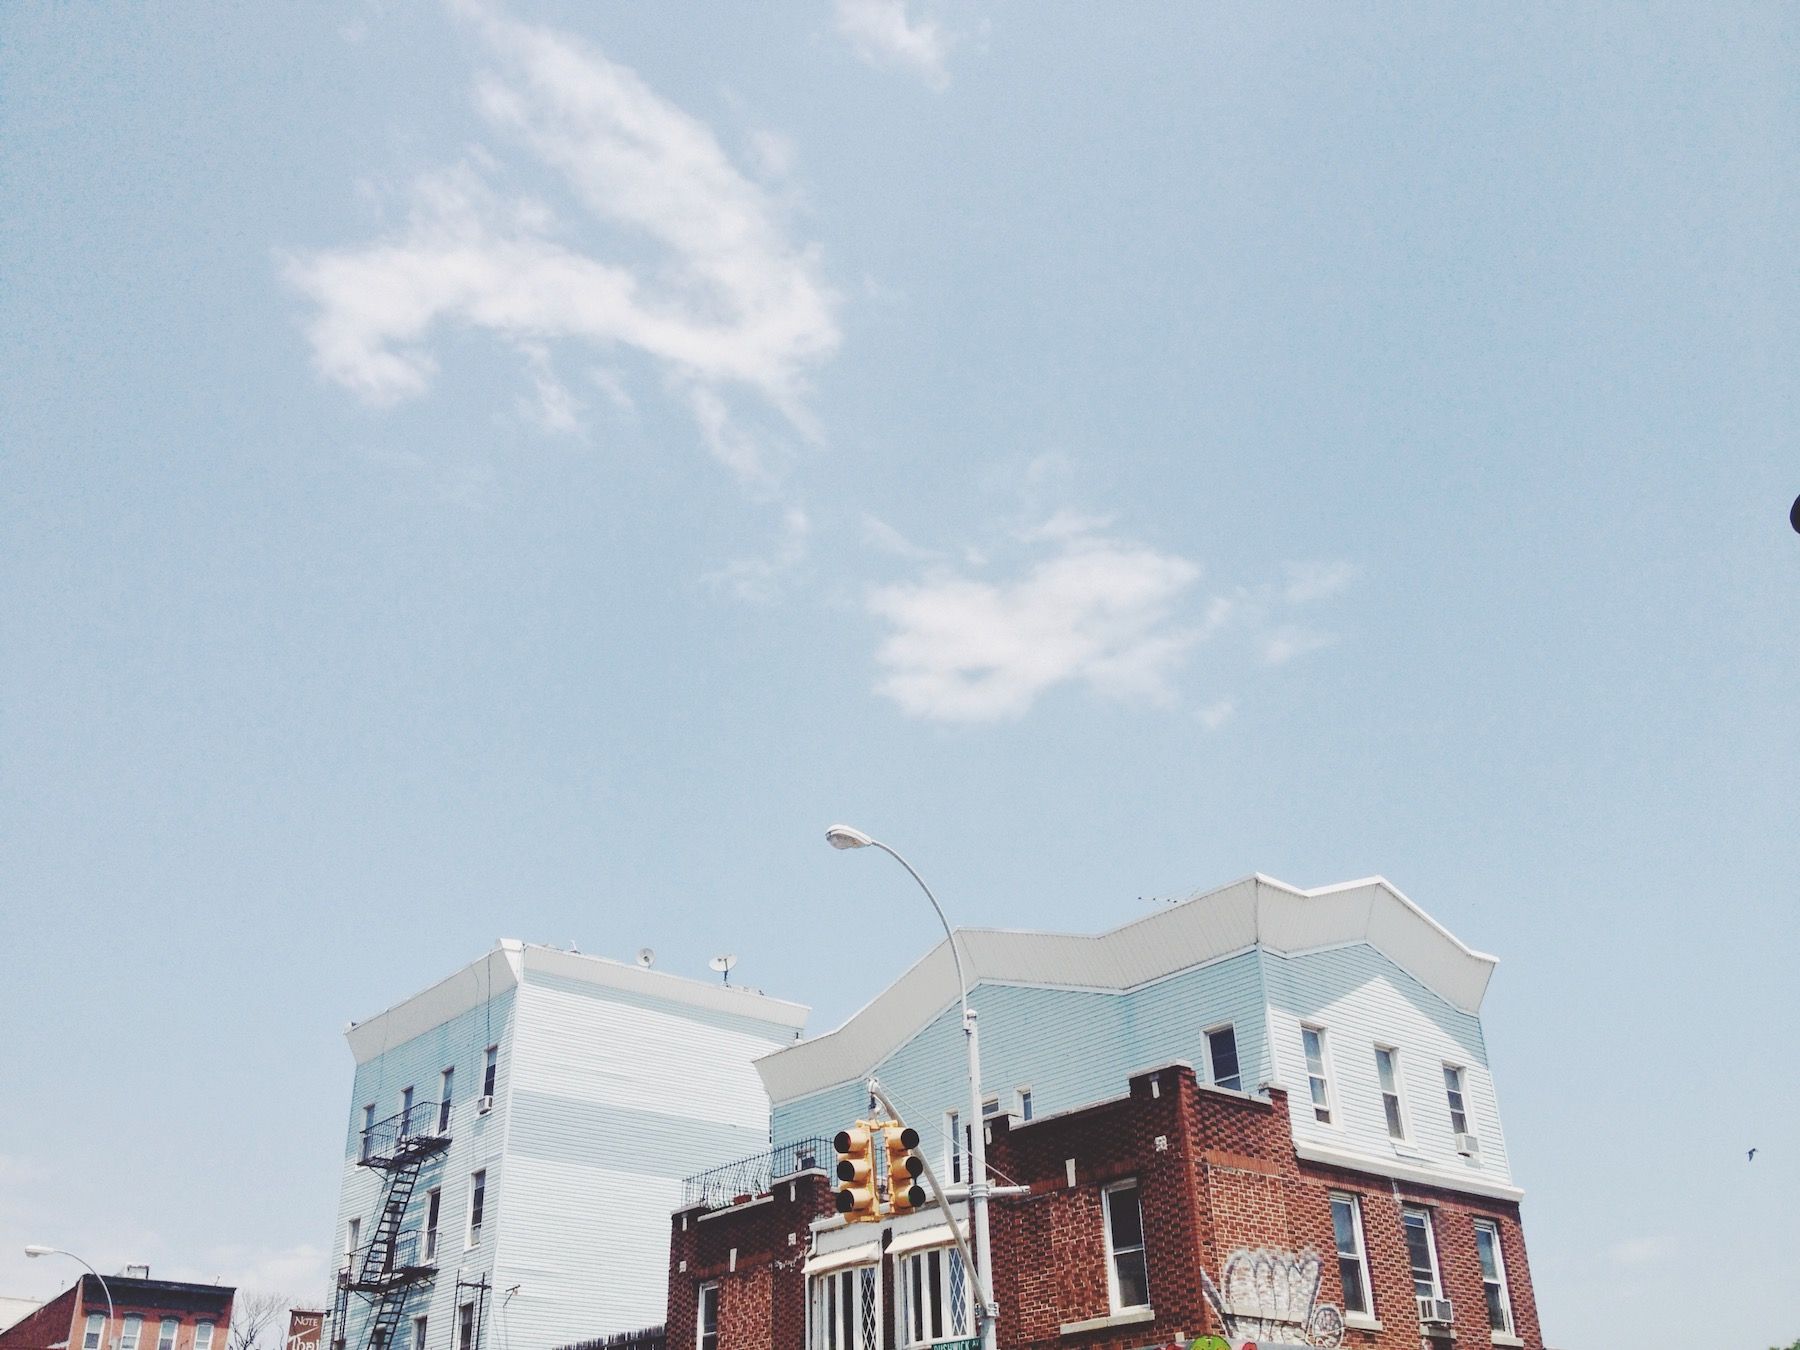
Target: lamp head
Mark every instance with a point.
(842, 836)
(38, 1249)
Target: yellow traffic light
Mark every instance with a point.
(905, 1193)
(856, 1173)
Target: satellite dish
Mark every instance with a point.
(723, 965)
(646, 958)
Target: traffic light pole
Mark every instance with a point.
(987, 1312)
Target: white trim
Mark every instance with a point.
(1357, 1322)
(1022, 1095)
(1327, 1072)
(1130, 1317)
(700, 1312)
(1425, 1212)
(1397, 1063)
(1206, 1048)
(1492, 1226)
(1425, 1176)
(922, 1239)
(1362, 1252)
(863, 1254)
(471, 1230)
(1143, 1248)
(1462, 1091)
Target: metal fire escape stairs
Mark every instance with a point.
(386, 1270)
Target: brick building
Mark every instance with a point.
(148, 1315)
(1173, 1211)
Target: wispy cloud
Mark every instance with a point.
(725, 305)
(884, 32)
(760, 580)
(1086, 608)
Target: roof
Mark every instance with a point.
(132, 1293)
(503, 968)
(1257, 911)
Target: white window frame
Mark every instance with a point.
(93, 1336)
(446, 1089)
(1360, 1256)
(1399, 1093)
(477, 1218)
(948, 1261)
(1112, 1255)
(465, 1326)
(1324, 1075)
(1023, 1101)
(352, 1236)
(419, 1327)
(368, 1126)
(1492, 1228)
(132, 1332)
(168, 1333)
(701, 1335)
(955, 1149)
(490, 1070)
(406, 1106)
(207, 1343)
(434, 1216)
(1437, 1266)
(825, 1294)
(1455, 1093)
(1212, 1068)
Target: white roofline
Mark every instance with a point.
(1254, 911)
(504, 967)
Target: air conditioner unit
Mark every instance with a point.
(1435, 1311)
(1468, 1145)
(483, 1106)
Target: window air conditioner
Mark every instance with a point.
(483, 1106)
(1434, 1311)
(1468, 1145)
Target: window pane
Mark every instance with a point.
(1484, 1248)
(1390, 1105)
(1025, 1106)
(1222, 1046)
(1343, 1224)
(1127, 1219)
(1418, 1253)
(1350, 1272)
(1315, 1051)
(1134, 1283)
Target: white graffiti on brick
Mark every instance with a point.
(1271, 1294)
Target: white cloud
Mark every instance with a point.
(759, 580)
(728, 304)
(1100, 612)
(884, 33)
(1216, 715)
(1283, 644)
(1310, 581)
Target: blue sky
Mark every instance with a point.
(524, 470)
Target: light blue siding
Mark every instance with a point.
(1074, 1048)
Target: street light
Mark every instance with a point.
(36, 1249)
(843, 836)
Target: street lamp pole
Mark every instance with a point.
(35, 1249)
(988, 1311)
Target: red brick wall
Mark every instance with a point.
(49, 1325)
(1216, 1172)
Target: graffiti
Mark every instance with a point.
(1271, 1295)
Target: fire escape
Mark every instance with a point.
(384, 1271)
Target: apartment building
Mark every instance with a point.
(1264, 1113)
(517, 1137)
(143, 1314)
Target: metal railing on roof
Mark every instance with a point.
(719, 1187)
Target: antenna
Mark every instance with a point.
(646, 958)
(723, 965)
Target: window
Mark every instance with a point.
(368, 1127)
(203, 1334)
(1314, 1040)
(1453, 1093)
(1353, 1265)
(990, 1107)
(954, 1145)
(134, 1326)
(406, 1100)
(706, 1324)
(465, 1327)
(489, 1069)
(96, 1328)
(844, 1310)
(418, 1339)
(1221, 1050)
(1387, 1068)
(1127, 1275)
(1421, 1252)
(477, 1205)
(434, 1204)
(1024, 1103)
(444, 1098)
(165, 1334)
(936, 1303)
(1493, 1275)
(352, 1237)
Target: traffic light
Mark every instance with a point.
(905, 1194)
(856, 1173)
